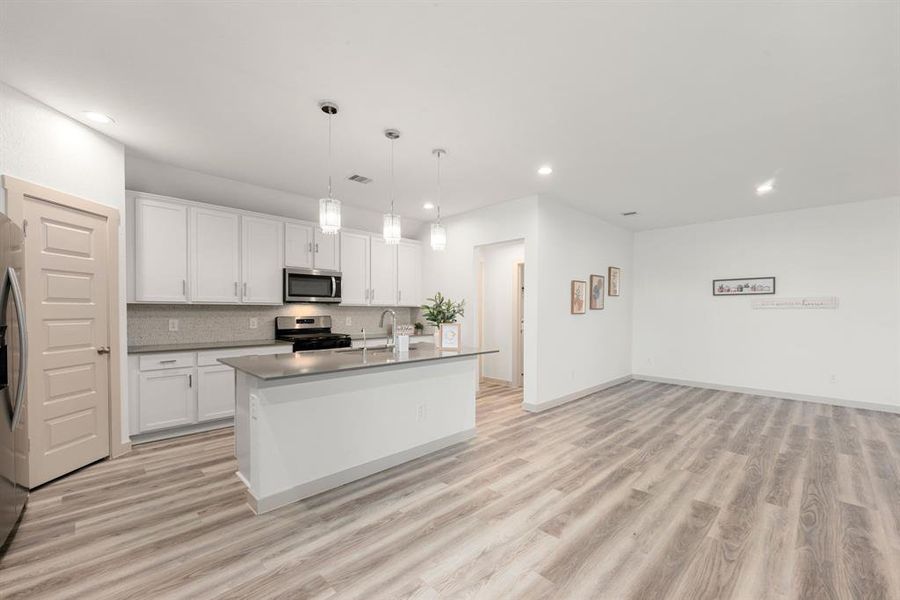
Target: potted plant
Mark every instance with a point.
(442, 310)
(419, 328)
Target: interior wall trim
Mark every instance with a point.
(772, 393)
(542, 406)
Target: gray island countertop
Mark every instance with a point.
(300, 364)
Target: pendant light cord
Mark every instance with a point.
(392, 177)
(330, 116)
(440, 195)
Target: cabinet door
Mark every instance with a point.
(215, 393)
(166, 399)
(383, 286)
(215, 256)
(327, 251)
(263, 256)
(354, 268)
(161, 251)
(409, 274)
(298, 245)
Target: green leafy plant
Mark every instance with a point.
(443, 310)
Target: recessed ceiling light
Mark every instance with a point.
(766, 187)
(97, 117)
(428, 206)
(545, 170)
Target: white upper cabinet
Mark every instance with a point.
(215, 243)
(327, 250)
(409, 274)
(161, 251)
(354, 267)
(262, 245)
(305, 246)
(299, 245)
(383, 278)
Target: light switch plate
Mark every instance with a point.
(173, 324)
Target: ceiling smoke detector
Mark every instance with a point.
(360, 178)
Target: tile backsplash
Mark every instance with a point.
(149, 323)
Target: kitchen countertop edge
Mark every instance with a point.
(195, 346)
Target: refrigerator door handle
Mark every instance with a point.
(12, 281)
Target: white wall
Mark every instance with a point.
(157, 178)
(851, 251)
(579, 352)
(43, 146)
(499, 302)
(565, 355)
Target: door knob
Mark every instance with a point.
(103, 350)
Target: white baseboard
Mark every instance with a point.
(164, 434)
(317, 486)
(541, 406)
(772, 393)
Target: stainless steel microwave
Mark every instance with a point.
(312, 285)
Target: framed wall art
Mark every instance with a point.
(598, 291)
(450, 337)
(615, 276)
(748, 286)
(579, 296)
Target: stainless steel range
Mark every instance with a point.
(310, 333)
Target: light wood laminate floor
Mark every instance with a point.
(641, 491)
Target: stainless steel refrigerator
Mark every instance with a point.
(13, 357)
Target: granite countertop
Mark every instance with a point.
(300, 364)
(191, 346)
(358, 337)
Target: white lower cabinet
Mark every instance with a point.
(167, 399)
(171, 394)
(215, 392)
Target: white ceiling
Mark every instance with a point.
(676, 110)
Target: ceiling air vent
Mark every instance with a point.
(630, 213)
(360, 178)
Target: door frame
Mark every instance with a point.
(17, 191)
(518, 324)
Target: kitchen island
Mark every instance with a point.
(306, 422)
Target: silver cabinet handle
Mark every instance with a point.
(184, 286)
(372, 295)
(399, 296)
(317, 247)
(245, 289)
(309, 247)
(11, 282)
(235, 288)
(165, 362)
(190, 380)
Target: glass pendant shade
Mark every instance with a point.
(391, 229)
(438, 236)
(329, 215)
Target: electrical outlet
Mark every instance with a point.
(173, 324)
(420, 413)
(833, 378)
(254, 322)
(348, 321)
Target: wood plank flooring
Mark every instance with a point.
(642, 491)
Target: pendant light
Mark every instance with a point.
(330, 207)
(392, 221)
(438, 231)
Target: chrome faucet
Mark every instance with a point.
(390, 339)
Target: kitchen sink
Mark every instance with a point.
(374, 349)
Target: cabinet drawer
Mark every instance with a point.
(152, 362)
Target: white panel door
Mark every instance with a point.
(354, 268)
(263, 256)
(215, 255)
(67, 317)
(161, 251)
(327, 250)
(166, 399)
(215, 393)
(383, 286)
(299, 245)
(409, 274)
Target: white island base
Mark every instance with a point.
(299, 436)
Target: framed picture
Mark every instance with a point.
(450, 337)
(598, 291)
(615, 275)
(579, 296)
(749, 286)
